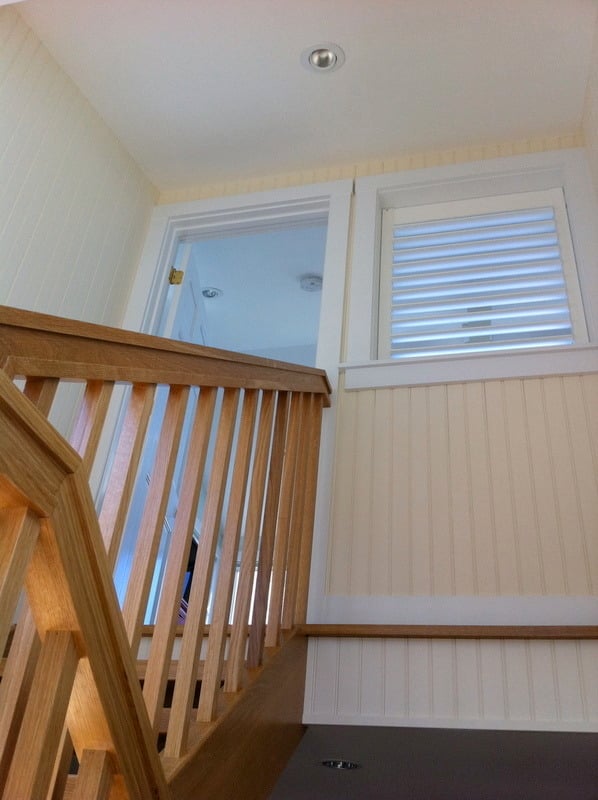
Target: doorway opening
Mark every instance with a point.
(255, 292)
(153, 306)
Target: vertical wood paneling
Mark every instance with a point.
(482, 488)
(442, 556)
(340, 555)
(399, 500)
(529, 550)
(459, 466)
(492, 666)
(73, 205)
(348, 696)
(363, 475)
(501, 490)
(564, 466)
(544, 493)
(444, 679)
(535, 684)
(372, 692)
(396, 671)
(401, 162)
(586, 469)
(468, 694)
(382, 490)
(544, 698)
(419, 493)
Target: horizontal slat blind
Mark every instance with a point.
(456, 283)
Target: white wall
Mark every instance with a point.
(470, 502)
(530, 685)
(468, 489)
(590, 118)
(74, 206)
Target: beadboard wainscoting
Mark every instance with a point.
(484, 488)
(529, 684)
(74, 205)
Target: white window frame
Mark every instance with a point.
(565, 169)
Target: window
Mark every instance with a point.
(478, 276)
(480, 341)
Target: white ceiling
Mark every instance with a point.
(262, 309)
(210, 90)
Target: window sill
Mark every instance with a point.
(574, 360)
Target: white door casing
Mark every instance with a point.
(172, 224)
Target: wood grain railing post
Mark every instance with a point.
(298, 490)
(164, 631)
(25, 647)
(41, 392)
(90, 420)
(309, 505)
(212, 674)
(152, 521)
(52, 540)
(18, 534)
(15, 686)
(255, 646)
(121, 481)
(247, 573)
(281, 544)
(178, 728)
(39, 737)
(94, 779)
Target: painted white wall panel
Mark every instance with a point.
(74, 206)
(544, 685)
(481, 488)
(590, 116)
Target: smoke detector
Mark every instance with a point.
(311, 282)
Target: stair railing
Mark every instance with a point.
(235, 440)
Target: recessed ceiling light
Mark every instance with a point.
(211, 291)
(340, 763)
(323, 58)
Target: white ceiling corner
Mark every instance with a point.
(211, 90)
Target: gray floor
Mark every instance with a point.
(433, 764)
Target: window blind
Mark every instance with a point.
(473, 283)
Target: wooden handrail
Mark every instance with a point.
(39, 345)
(227, 442)
(85, 673)
(555, 632)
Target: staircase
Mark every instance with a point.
(104, 694)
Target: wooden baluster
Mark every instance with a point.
(33, 762)
(15, 686)
(279, 566)
(297, 514)
(212, 675)
(19, 530)
(164, 631)
(152, 521)
(180, 714)
(90, 420)
(41, 392)
(25, 647)
(309, 508)
(124, 468)
(94, 779)
(255, 647)
(62, 765)
(238, 641)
